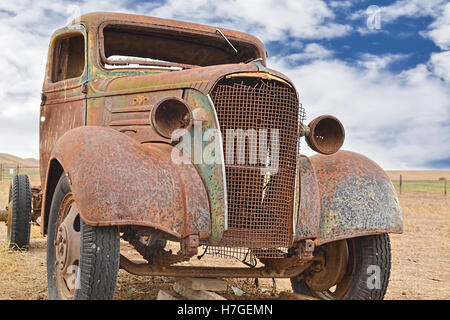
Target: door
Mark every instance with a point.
(63, 105)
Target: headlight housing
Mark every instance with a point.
(169, 115)
(326, 134)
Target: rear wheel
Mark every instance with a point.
(82, 261)
(19, 218)
(351, 269)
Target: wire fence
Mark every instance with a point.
(9, 170)
(403, 184)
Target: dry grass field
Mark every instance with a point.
(420, 266)
(421, 181)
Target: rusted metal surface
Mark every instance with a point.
(260, 205)
(189, 245)
(37, 203)
(129, 109)
(290, 269)
(333, 271)
(124, 175)
(113, 83)
(183, 48)
(212, 175)
(330, 271)
(122, 99)
(63, 106)
(126, 183)
(67, 246)
(55, 121)
(161, 26)
(196, 210)
(156, 255)
(171, 114)
(308, 217)
(356, 196)
(300, 254)
(326, 134)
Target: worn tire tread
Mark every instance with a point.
(20, 196)
(99, 256)
(99, 263)
(370, 250)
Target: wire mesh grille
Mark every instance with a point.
(245, 255)
(260, 203)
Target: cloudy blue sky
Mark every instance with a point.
(382, 67)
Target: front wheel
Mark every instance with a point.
(82, 261)
(351, 269)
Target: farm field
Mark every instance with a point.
(420, 181)
(420, 265)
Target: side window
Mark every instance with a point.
(68, 58)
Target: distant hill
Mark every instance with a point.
(10, 159)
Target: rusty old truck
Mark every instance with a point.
(163, 133)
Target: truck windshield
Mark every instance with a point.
(140, 46)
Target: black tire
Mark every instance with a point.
(18, 234)
(99, 255)
(369, 251)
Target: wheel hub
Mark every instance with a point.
(67, 247)
(331, 267)
(61, 247)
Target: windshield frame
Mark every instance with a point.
(113, 65)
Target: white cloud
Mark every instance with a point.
(395, 119)
(376, 63)
(440, 64)
(26, 26)
(411, 8)
(312, 51)
(340, 4)
(25, 30)
(270, 20)
(406, 8)
(439, 30)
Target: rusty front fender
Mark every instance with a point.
(356, 198)
(117, 181)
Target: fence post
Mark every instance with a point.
(400, 184)
(445, 184)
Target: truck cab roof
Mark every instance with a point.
(139, 37)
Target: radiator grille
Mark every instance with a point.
(260, 204)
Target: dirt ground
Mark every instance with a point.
(420, 266)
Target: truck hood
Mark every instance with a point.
(202, 79)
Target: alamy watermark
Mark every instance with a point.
(374, 277)
(258, 148)
(373, 21)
